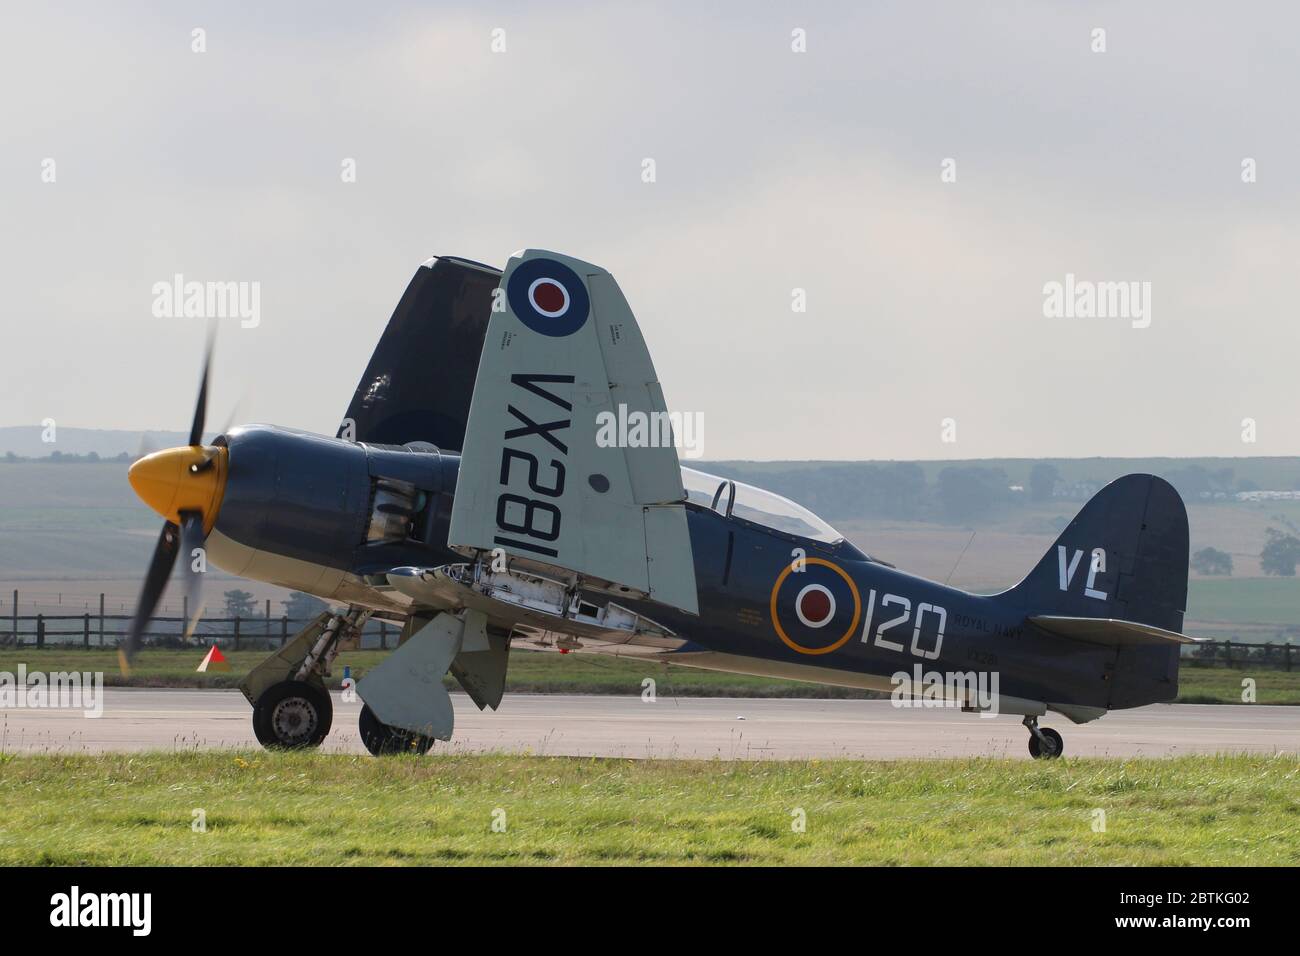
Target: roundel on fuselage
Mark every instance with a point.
(548, 297)
(816, 609)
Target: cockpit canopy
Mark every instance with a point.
(737, 499)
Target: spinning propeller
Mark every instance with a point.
(185, 486)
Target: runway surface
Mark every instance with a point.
(698, 728)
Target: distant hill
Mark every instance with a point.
(25, 441)
(992, 489)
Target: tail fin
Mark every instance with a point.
(1124, 556)
(1123, 559)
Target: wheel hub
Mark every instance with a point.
(293, 719)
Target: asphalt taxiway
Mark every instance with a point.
(696, 728)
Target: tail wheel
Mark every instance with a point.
(293, 715)
(1055, 746)
(381, 739)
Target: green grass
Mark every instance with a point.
(1222, 685)
(546, 673)
(314, 809)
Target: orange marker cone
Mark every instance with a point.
(214, 661)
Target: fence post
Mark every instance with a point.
(383, 635)
(17, 642)
(236, 632)
(40, 630)
(1287, 648)
(85, 631)
(101, 618)
(284, 629)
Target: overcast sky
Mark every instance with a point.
(775, 170)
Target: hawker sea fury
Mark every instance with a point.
(468, 498)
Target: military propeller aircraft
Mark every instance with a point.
(469, 497)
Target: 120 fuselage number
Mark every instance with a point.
(901, 609)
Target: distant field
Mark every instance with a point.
(1004, 548)
(328, 810)
(1245, 599)
(70, 531)
(32, 486)
(539, 672)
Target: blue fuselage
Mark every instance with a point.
(764, 595)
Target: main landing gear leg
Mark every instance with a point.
(1044, 743)
(291, 707)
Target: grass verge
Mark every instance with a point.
(314, 809)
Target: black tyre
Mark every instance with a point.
(1055, 745)
(293, 715)
(381, 739)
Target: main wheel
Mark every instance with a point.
(1055, 745)
(381, 739)
(293, 714)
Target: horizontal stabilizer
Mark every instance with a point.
(1109, 632)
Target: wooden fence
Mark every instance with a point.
(1234, 654)
(107, 630)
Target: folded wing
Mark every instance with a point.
(547, 473)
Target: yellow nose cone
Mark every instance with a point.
(189, 478)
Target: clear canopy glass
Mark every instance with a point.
(737, 499)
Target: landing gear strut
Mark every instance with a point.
(1044, 743)
(291, 707)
